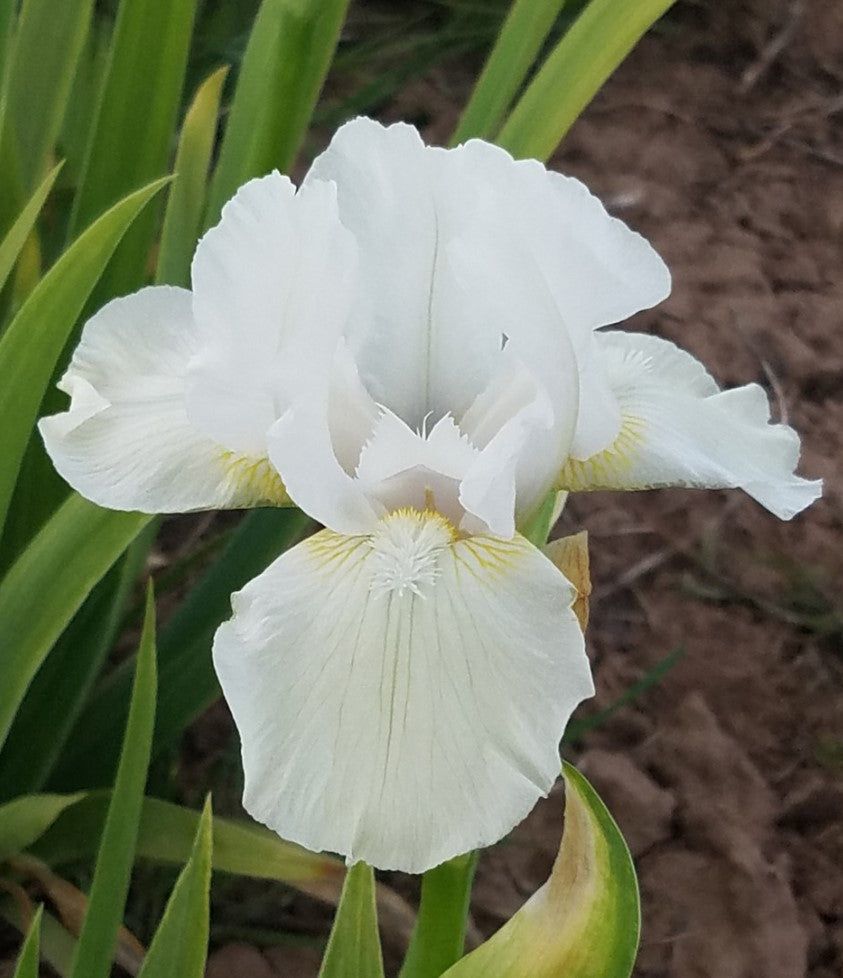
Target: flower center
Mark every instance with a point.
(406, 548)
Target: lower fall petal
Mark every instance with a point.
(400, 695)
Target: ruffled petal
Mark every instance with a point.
(555, 238)
(414, 322)
(680, 429)
(126, 441)
(272, 285)
(400, 696)
(301, 448)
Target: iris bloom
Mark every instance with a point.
(409, 348)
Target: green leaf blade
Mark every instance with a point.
(47, 43)
(34, 340)
(186, 203)
(95, 950)
(519, 43)
(180, 944)
(27, 966)
(24, 820)
(287, 57)
(585, 921)
(47, 585)
(593, 47)
(354, 949)
(12, 244)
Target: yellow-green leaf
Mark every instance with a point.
(597, 42)
(517, 47)
(15, 239)
(354, 949)
(585, 921)
(186, 203)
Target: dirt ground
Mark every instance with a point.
(720, 140)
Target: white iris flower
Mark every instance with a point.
(406, 348)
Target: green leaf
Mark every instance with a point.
(114, 860)
(186, 203)
(180, 944)
(63, 683)
(165, 835)
(288, 55)
(521, 38)
(439, 936)
(597, 42)
(47, 43)
(31, 346)
(188, 682)
(130, 140)
(29, 956)
(585, 921)
(354, 949)
(26, 819)
(57, 946)
(47, 585)
(133, 130)
(14, 241)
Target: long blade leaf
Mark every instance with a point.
(15, 239)
(354, 949)
(521, 38)
(26, 819)
(286, 60)
(186, 203)
(27, 966)
(116, 853)
(180, 944)
(597, 42)
(47, 585)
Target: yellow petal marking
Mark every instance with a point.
(606, 469)
(253, 480)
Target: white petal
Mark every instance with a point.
(126, 441)
(550, 250)
(414, 324)
(400, 697)
(302, 450)
(272, 285)
(679, 429)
